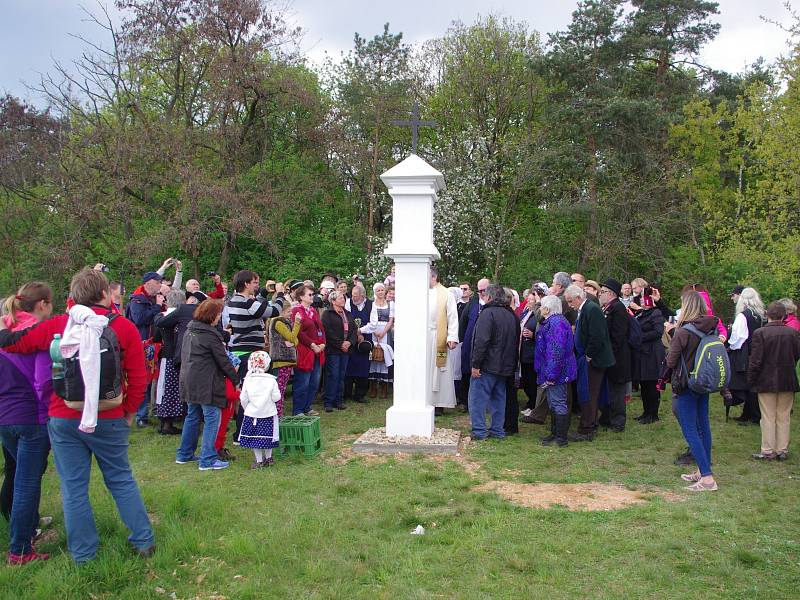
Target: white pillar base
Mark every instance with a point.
(406, 421)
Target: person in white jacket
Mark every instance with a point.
(259, 398)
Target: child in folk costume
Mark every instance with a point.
(259, 398)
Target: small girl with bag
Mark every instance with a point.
(283, 342)
(259, 399)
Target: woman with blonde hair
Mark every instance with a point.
(750, 316)
(381, 321)
(791, 313)
(692, 407)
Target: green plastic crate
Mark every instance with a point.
(300, 436)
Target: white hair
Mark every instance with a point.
(553, 304)
(376, 286)
(749, 298)
(563, 279)
(573, 291)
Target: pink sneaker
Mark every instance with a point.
(21, 559)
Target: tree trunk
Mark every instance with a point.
(225, 255)
(373, 185)
(591, 233)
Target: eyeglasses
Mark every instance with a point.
(481, 291)
(464, 289)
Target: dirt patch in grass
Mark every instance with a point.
(573, 496)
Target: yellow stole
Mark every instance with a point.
(441, 326)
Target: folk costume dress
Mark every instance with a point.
(379, 323)
(259, 398)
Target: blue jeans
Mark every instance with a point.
(191, 431)
(305, 388)
(335, 369)
(144, 407)
(72, 451)
(693, 417)
(487, 393)
(557, 398)
(29, 445)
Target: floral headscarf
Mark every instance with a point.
(259, 362)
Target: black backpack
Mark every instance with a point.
(70, 385)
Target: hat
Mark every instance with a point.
(737, 290)
(592, 284)
(613, 285)
(327, 285)
(150, 276)
(294, 284)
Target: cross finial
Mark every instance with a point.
(414, 123)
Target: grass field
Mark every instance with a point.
(337, 526)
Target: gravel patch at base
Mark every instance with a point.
(572, 496)
(443, 441)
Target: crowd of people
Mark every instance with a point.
(76, 382)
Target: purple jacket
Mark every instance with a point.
(26, 387)
(554, 360)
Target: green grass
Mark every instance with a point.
(335, 528)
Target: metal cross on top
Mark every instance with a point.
(414, 123)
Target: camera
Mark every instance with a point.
(211, 274)
(647, 291)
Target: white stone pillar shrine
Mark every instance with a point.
(413, 185)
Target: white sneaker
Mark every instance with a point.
(527, 412)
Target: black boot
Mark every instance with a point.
(550, 439)
(562, 428)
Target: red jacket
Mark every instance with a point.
(217, 294)
(134, 381)
(311, 332)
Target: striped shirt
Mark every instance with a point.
(247, 317)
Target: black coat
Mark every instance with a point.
(618, 325)
(593, 335)
(527, 347)
(334, 331)
(495, 341)
(651, 355)
(172, 327)
(204, 366)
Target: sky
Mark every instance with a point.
(34, 33)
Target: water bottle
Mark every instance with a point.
(56, 357)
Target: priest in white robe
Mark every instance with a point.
(443, 339)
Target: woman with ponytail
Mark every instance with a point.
(25, 390)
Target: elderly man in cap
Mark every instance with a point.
(144, 304)
(619, 374)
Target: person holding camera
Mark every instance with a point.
(247, 310)
(193, 286)
(145, 303)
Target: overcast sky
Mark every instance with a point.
(34, 32)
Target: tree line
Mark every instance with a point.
(199, 130)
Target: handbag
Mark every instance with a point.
(377, 354)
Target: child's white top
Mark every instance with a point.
(259, 395)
